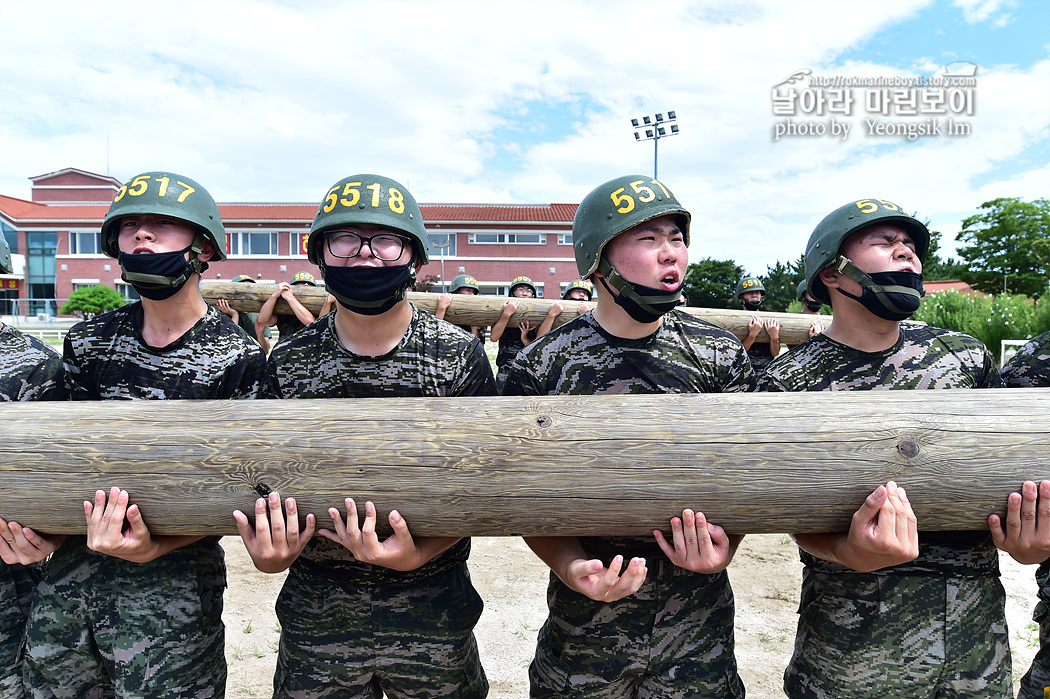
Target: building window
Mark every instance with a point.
(565, 239)
(512, 238)
(127, 290)
(245, 243)
(298, 244)
(85, 243)
(11, 236)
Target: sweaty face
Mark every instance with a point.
(146, 233)
(651, 254)
(880, 247)
(352, 246)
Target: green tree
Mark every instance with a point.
(998, 254)
(781, 282)
(92, 300)
(934, 268)
(711, 283)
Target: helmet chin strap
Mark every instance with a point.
(881, 291)
(648, 307)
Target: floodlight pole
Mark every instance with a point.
(654, 129)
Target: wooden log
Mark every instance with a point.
(552, 465)
(486, 310)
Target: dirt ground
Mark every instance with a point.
(765, 575)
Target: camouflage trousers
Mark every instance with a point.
(413, 639)
(1036, 682)
(900, 635)
(104, 627)
(17, 584)
(672, 638)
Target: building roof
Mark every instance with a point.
(29, 211)
(25, 212)
(932, 287)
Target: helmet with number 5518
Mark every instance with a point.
(371, 200)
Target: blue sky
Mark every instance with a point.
(274, 101)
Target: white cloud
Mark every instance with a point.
(275, 101)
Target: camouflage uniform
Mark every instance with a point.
(1030, 368)
(509, 345)
(935, 626)
(288, 325)
(29, 370)
(674, 637)
(351, 629)
(101, 626)
(760, 357)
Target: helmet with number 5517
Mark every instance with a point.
(166, 194)
(370, 200)
(822, 250)
(615, 207)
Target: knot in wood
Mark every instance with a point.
(908, 448)
(262, 490)
(544, 421)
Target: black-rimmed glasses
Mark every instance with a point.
(347, 244)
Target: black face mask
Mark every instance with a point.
(813, 306)
(644, 304)
(157, 275)
(890, 295)
(752, 305)
(369, 290)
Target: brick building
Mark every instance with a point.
(56, 243)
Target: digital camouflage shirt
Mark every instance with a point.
(29, 368)
(1030, 366)
(434, 358)
(685, 355)
(759, 356)
(922, 358)
(107, 359)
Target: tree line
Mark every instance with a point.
(1004, 249)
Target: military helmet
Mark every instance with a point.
(5, 257)
(303, 278)
(749, 284)
(165, 194)
(522, 281)
(800, 292)
(368, 200)
(243, 278)
(617, 206)
(464, 281)
(579, 284)
(823, 246)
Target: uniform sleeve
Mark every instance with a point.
(1029, 368)
(244, 378)
(741, 375)
(76, 388)
(47, 380)
(990, 377)
(521, 381)
(476, 379)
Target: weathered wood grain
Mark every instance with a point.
(486, 310)
(539, 466)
